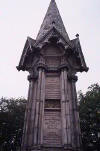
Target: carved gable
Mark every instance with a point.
(52, 51)
(52, 55)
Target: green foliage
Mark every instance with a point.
(11, 122)
(90, 118)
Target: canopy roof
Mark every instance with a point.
(52, 27)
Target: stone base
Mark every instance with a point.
(50, 149)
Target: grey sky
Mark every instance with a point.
(22, 18)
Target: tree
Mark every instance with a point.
(89, 110)
(11, 123)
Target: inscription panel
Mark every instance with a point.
(53, 61)
(52, 87)
(52, 127)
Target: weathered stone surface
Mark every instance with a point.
(52, 128)
(52, 119)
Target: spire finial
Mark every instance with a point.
(77, 35)
(52, 1)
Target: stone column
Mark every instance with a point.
(67, 111)
(32, 116)
(63, 104)
(72, 127)
(27, 115)
(77, 132)
(41, 112)
(36, 124)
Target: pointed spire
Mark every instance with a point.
(52, 19)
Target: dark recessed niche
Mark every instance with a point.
(52, 103)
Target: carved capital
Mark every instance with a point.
(42, 66)
(63, 66)
(31, 77)
(72, 77)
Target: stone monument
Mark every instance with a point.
(52, 60)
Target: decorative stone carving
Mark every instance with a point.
(52, 60)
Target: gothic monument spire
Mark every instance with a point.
(52, 20)
(52, 60)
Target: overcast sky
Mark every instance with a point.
(22, 18)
